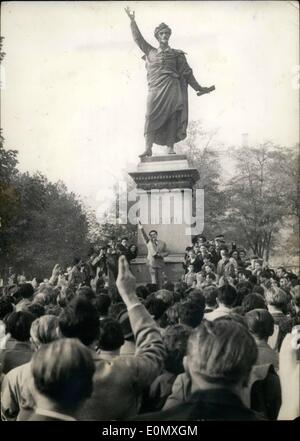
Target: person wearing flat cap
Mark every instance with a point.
(168, 76)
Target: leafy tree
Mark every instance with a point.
(260, 196)
(41, 223)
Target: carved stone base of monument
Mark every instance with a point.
(164, 186)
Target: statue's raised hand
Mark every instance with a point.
(129, 13)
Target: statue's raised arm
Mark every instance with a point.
(137, 36)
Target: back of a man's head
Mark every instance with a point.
(196, 296)
(210, 294)
(6, 306)
(25, 291)
(166, 296)
(221, 352)
(190, 313)
(63, 372)
(253, 301)
(156, 307)
(111, 336)
(175, 340)
(243, 289)
(44, 330)
(36, 309)
(86, 292)
(102, 304)
(80, 320)
(18, 325)
(260, 323)
(227, 295)
(278, 298)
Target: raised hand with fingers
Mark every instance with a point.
(126, 282)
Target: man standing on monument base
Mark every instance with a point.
(168, 76)
(157, 250)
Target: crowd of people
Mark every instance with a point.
(222, 342)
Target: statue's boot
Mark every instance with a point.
(171, 150)
(147, 152)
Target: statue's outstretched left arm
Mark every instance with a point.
(187, 73)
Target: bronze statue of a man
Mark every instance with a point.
(168, 75)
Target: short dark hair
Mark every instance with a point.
(266, 273)
(260, 323)
(253, 301)
(190, 313)
(102, 304)
(210, 293)
(243, 289)
(227, 295)
(156, 307)
(36, 309)
(196, 296)
(175, 340)
(211, 276)
(142, 291)
(153, 231)
(80, 320)
(221, 352)
(87, 292)
(25, 291)
(115, 309)
(110, 335)
(18, 325)
(6, 306)
(63, 371)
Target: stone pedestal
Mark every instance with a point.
(164, 186)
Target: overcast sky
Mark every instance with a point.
(75, 90)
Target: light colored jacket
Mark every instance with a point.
(159, 247)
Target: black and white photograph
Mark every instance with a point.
(149, 214)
